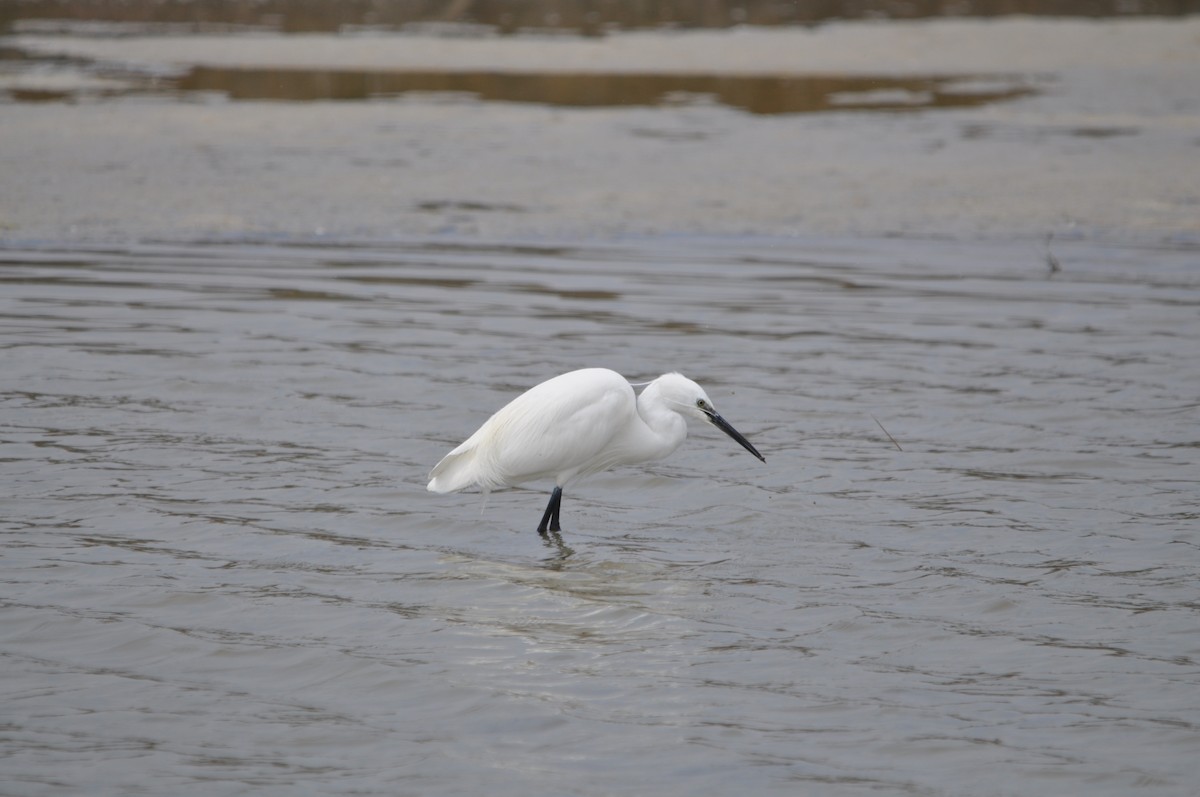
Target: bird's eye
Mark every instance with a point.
(701, 403)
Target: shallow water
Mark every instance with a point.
(757, 94)
(82, 80)
(222, 574)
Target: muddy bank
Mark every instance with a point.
(1086, 128)
(586, 17)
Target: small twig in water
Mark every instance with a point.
(1051, 260)
(886, 432)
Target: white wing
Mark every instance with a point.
(559, 428)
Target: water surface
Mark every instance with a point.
(222, 574)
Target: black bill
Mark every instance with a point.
(728, 429)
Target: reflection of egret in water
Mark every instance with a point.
(575, 425)
(560, 551)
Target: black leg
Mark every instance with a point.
(557, 506)
(550, 517)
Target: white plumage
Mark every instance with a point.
(574, 425)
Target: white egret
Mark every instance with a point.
(574, 425)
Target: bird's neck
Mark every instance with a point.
(667, 428)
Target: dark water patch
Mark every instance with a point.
(757, 94)
(291, 294)
(768, 94)
(442, 206)
(1103, 132)
(38, 95)
(979, 131)
(369, 279)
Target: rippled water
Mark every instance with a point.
(222, 574)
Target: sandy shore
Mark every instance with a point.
(1108, 145)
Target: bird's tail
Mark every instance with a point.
(455, 472)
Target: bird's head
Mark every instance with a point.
(689, 399)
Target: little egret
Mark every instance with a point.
(574, 425)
